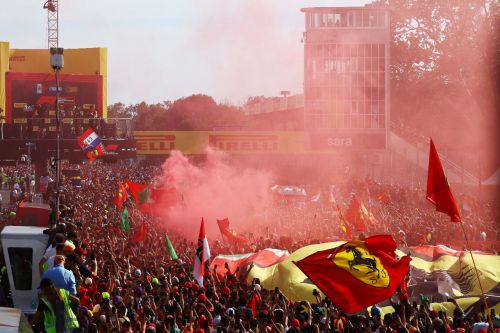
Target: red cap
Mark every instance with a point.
(202, 298)
(80, 251)
(295, 322)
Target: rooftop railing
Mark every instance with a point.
(71, 128)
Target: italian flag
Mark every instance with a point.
(201, 256)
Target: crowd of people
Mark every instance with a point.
(95, 280)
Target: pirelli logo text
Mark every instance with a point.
(244, 143)
(155, 143)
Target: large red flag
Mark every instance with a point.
(354, 214)
(140, 192)
(162, 199)
(230, 234)
(438, 189)
(140, 236)
(201, 256)
(357, 274)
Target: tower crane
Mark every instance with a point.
(52, 7)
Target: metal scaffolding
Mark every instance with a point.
(52, 7)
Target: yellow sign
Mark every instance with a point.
(84, 61)
(356, 259)
(230, 142)
(197, 142)
(20, 105)
(244, 142)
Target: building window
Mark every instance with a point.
(21, 263)
(330, 19)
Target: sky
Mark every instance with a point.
(164, 49)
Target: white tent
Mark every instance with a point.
(493, 180)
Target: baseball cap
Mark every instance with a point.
(80, 251)
(45, 282)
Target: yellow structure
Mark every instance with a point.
(4, 67)
(232, 142)
(91, 61)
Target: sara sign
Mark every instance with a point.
(329, 141)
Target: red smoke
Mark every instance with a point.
(213, 191)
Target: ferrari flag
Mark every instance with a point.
(91, 144)
(357, 274)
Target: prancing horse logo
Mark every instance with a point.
(355, 258)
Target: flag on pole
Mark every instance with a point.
(140, 192)
(343, 224)
(367, 214)
(230, 234)
(201, 256)
(124, 220)
(170, 248)
(355, 215)
(357, 274)
(438, 188)
(91, 144)
(140, 236)
(120, 196)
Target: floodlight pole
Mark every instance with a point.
(57, 63)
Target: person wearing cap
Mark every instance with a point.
(59, 251)
(54, 307)
(58, 238)
(60, 276)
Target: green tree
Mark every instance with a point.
(445, 68)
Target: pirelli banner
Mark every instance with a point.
(196, 142)
(248, 143)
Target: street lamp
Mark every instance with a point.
(57, 63)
